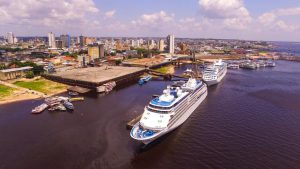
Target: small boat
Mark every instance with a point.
(73, 93)
(76, 99)
(145, 79)
(107, 87)
(270, 63)
(40, 109)
(58, 107)
(248, 65)
(68, 105)
(233, 66)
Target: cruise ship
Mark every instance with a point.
(169, 110)
(213, 74)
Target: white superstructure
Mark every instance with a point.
(213, 74)
(168, 111)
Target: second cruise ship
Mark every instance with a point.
(168, 111)
(213, 74)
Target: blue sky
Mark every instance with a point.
(240, 19)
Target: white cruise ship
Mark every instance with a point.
(168, 111)
(213, 74)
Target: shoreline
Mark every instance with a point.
(26, 97)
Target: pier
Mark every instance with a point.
(93, 77)
(133, 122)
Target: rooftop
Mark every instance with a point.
(97, 74)
(16, 69)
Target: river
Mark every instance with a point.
(250, 120)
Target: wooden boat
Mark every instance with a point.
(76, 99)
(68, 105)
(58, 107)
(107, 87)
(73, 93)
(39, 109)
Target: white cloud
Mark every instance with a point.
(110, 14)
(154, 19)
(232, 13)
(275, 20)
(46, 14)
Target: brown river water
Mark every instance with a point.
(251, 120)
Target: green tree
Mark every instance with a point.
(29, 75)
(118, 62)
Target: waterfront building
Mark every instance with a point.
(161, 45)
(66, 40)
(15, 73)
(51, 40)
(171, 44)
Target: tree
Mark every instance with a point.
(118, 62)
(29, 75)
(2, 66)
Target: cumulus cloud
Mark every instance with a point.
(46, 13)
(110, 14)
(154, 19)
(274, 20)
(232, 13)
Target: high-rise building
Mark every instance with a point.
(96, 51)
(171, 44)
(66, 40)
(82, 41)
(59, 44)
(161, 45)
(51, 40)
(10, 38)
(102, 52)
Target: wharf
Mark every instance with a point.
(93, 77)
(133, 122)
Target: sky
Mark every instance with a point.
(271, 20)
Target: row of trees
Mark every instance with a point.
(37, 70)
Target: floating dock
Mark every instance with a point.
(93, 77)
(133, 122)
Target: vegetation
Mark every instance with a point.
(5, 91)
(144, 52)
(118, 62)
(2, 66)
(166, 70)
(37, 70)
(29, 75)
(41, 85)
(7, 49)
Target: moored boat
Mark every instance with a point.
(145, 79)
(214, 73)
(76, 99)
(40, 109)
(168, 111)
(68, 105)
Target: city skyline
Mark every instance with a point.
(217, 19)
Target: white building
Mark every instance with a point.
(171, 44)
(51, 40)
(10, 38)
(161, 45)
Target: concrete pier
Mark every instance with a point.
(94, 77)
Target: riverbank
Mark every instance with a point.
(28, 89)
(170, 69)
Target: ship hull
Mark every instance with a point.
(181, 120)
